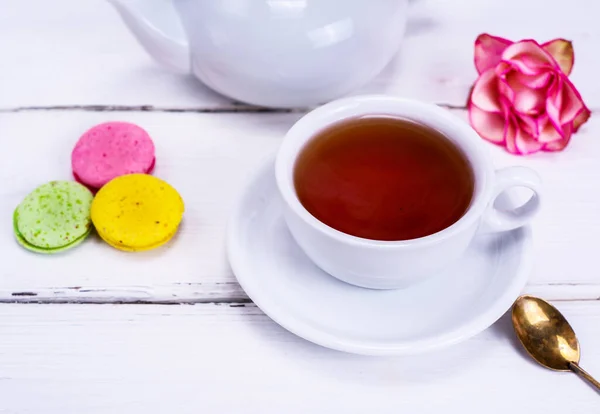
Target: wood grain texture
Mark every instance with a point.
(69, 64)
(207, 157)
(73, 359)
(71, 52)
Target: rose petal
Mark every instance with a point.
(548, 132)
(536, 81)
(557, 145)
(510, 133)
(485, 92)
(523, 67)
(562, 143)
(526, 100)
(529, 101)
(562, 51)
(564, 102)
(581, 118)
(529, 124)
(526, 143)
(503, 68)
(572, 104)
(554, 101)
(488, 50)
(489, 125)
(529, 56)
(541, 121)
(504, 90)
(506, 106)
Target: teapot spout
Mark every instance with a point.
(156, 26)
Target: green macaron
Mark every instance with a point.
(54, 217)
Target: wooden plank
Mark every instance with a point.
(208, 157)
(70, 52)
(230, 359)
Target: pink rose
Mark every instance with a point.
(523, 98)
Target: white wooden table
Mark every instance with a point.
(98, 333)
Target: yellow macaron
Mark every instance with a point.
(137, 212)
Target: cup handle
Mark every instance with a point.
(495, 219)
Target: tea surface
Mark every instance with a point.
(383, 178)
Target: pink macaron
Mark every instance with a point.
(110, 150)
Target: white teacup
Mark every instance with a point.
(396, 264)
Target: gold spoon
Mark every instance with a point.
(547, 336)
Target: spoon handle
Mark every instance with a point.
(580, 371)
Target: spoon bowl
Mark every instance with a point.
(545, 333)
(547, 336)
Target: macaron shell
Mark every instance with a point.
(28, 246)
(137, 212)
(124, 248)
(95, 189)
(54, 215)
(110, 150)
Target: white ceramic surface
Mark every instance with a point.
(391, 265)
(456, 304)
(277, 53)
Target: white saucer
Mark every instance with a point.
(444, 310)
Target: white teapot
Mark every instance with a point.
(274, 53)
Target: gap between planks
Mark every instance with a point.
(228, 293)
(234, 108)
